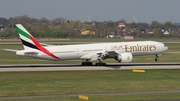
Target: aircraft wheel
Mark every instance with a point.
(96, 64)
(83, 63)
(87, 63)
(156, 60)
(104, 64)
(100, 64)
(91, 63)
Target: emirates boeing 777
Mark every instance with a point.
(120, 51)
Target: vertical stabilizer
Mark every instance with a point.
(29, 42)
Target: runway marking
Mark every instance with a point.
(67, 67)
(93, 94)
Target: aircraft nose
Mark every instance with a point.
(165, 48)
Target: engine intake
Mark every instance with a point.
(124, 57)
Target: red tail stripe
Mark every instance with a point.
(42, 48)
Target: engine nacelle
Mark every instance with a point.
(124, 57)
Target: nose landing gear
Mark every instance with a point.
(156, 59)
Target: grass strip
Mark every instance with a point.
(82, 82)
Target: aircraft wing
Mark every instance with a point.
(90, 56)
(99, 55)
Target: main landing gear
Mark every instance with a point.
(87, 63)
(156, 59)
(100, 64)
(100, 58)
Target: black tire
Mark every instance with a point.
(97, 64)
(88, 63)
(156, 60)
(91, 63)
(83, 63)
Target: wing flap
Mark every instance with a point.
(99, 55)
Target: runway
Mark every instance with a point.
(70, 67)
(98, 94)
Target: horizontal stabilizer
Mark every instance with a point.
(11, 50)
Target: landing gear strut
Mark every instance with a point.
(87, 63)
(101, 58)
(156, 59)
(100, 63)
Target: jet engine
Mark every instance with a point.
(124, 57)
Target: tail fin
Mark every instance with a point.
(28, 41)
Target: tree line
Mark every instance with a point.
(63, 28)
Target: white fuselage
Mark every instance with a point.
(72, 52)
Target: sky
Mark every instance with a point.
(94, 10)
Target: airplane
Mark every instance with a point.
(120, 51)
